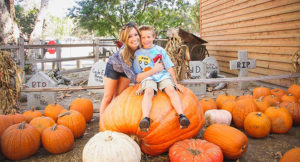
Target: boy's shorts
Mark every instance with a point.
(160, 85)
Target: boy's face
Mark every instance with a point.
(147, 38)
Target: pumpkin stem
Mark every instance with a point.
(260, 98)
(136, 139)
(64, 114)
(244, 147)
(194, 152)
(32, 109)
(258, 114)
(53, 128)
(22, 125)
(109, 138)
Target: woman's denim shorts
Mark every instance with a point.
(112, 74)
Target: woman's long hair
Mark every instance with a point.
(127, 52)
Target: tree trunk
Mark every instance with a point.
(9, 29)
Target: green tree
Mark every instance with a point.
(25, 20)
(106, 17)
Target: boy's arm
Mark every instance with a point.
(157, 68)
(172, 73)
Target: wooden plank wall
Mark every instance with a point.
(268, 29)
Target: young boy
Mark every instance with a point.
(165, 80)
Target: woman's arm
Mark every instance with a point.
(157, 68)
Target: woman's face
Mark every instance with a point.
(133, 39)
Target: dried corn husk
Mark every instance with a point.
(11, 79)
(180, 56)
(296, 64)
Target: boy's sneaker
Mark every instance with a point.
(183, 121)
(144, 124)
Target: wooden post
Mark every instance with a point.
(96, 49)
(58, 56)
(43, 51)
(21, 53)
(242, 64)
(78, 63)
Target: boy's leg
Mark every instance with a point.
(147, 101)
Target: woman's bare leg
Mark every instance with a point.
(110, 87)
(122, 85)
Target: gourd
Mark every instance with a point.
(232, 141)
(257, 125)
(84, 106)
(111, 146)
(195, 150)
(124, 113)
(217, 117)
(20, 141)
(57, 139)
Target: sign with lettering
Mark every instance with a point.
(40, 100)
(96, 76)
(242, 64)
(198, 71)
(211, 64)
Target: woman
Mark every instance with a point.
(119, 71)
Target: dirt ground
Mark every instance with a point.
(268, 149)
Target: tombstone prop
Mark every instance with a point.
(242, 64)
(96, 76)
(198, 71)
(213, 71)
(40, 100)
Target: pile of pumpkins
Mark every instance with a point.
(264, 111)
(22, 134)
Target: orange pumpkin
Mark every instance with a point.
(229, 105)
(52, 110)
(262, 105)
(261, 91)
(294, 90)
(20, 141)
(257, 125)
(294, 109)
(281, 119)
(74, 120)
(16, 118)
(289, 98)
(273, 100)
(278, 92)
(241, 110)
(208, 104)
(244, 97)
(223, 98)
(41, 123)
(84, 106)
(232, 141)
(30, 114)
(57, 139)
(5, 122)
(125, 112)
(195, 150)
(291, 156)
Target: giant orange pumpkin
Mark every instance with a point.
(125, 112)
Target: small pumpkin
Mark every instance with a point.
(30, 114)
(84, 106)
(273, 100)
(257, 125)
(20, 141)
(57, 139)
(294, 89)
(262, 105)
(261, 91)
(53, 110)
(74, 120)
(195, 150)
(232, 141)
(281, 119)
(5, 122)
(294, 109)
(208, 104)
(41, 123)
(241, 110)
(244, 97)
(120, 147)
(278, 92)
(217, 117)
(291, 155)
(16, 118)
(289, 98)
(223, 98)
(229, 105)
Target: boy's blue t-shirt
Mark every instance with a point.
(143, 60)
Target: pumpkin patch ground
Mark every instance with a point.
(270, 148)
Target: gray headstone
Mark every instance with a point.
(211, 64)
(40, 100)
(243, 64)
(198, 71)
(96, 77)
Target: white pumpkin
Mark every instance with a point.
(217, 117)
(111, 146)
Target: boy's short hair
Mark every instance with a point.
(148, 28)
